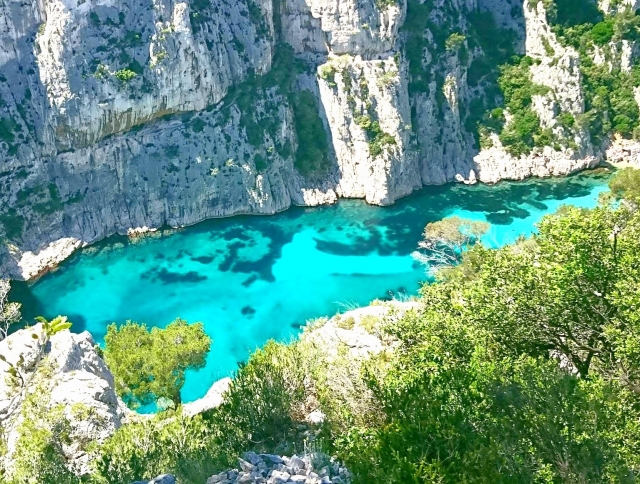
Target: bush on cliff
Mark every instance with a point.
(626, 185)
(150, 364)
(261, 411)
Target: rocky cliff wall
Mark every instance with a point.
(557, 68)
(119, 114)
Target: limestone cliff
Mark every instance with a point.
(556, 68)
(123, 114)
(58, 387)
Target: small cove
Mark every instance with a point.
(250, 279)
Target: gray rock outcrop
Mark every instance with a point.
(255, 468)
(273, 469)
(62, 374)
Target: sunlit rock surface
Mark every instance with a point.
(122, 114)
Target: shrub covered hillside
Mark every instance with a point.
(518, 365)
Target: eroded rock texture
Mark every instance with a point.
(122, 114)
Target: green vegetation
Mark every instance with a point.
(522, 365)
(8, 129)
(43, 200)
(610, 103)
(626, 185)
(9, 311)
(602, 32)
(41, 435)
(445, 241)
(262, 410)
(125, 75)
(385, 4)
(523, 132)
(455, 41)
(484, 113)
(415, 24)
(328, 73)
(476, 393)
(198, 14)
(312, 155)
(259, 100)
(149, 365)
(377, 138)
(12, 224)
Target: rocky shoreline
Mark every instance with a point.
(30, 266)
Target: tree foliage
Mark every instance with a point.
(525, 372)
(150, 364)
(444, 241)
(522, 365)
(625, 184)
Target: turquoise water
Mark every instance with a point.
(249, 279)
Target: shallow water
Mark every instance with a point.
(249, 279)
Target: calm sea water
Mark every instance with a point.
(249, 279)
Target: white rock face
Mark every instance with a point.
(348, 329)
(445, 148)
(373, 92)
(558, 69)
(495, 164)
(32, 265)
(118, 116)
(212, 399)
(184, 74)
(77, 380)
(346, 27)
(624, 152)
(612, 6)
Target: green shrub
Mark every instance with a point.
(312, 155)
(625, 184)
(198, 125)
(524, 132)
(470, 393)
(455, 41)
(125, 75)
(184, 446)
(260, 162)
(346, 323)
(566, 120)
(602, 32)
(377, 138)
(12, 224)
(328, 73)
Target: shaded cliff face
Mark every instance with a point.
(121, 114)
